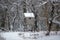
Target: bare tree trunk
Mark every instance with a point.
(50, 20)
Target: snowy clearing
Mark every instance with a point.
(30, 35)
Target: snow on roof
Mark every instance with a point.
(29, 15)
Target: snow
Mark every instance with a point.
(43, 3)
(30, 35)
(11, 36)
(55, 20)
(50, 38)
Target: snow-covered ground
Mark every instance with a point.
(29, 35)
